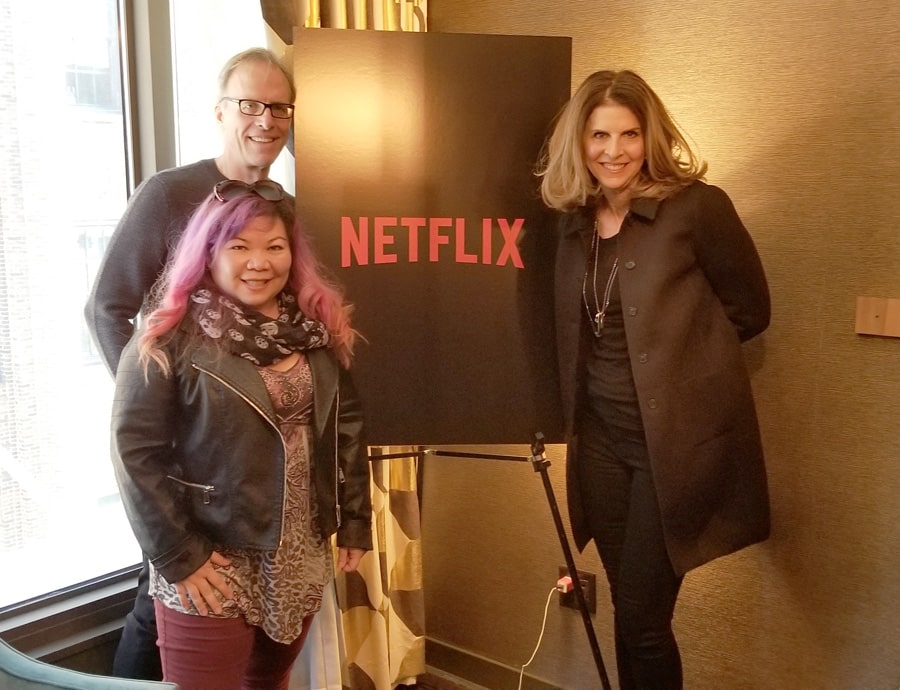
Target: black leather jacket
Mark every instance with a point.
(200, 461)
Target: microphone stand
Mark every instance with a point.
(539, 463)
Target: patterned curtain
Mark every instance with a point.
(383, 603)
(370, 633)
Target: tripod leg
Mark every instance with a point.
(541, 464)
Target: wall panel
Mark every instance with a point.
(797, 108)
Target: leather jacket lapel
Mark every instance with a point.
(243, 378)
(325, 385)
(238, 374)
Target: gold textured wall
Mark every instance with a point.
(796, 106)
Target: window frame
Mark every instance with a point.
(61, 624)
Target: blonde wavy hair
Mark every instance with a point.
(669, 163)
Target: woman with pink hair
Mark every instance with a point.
(237, 442)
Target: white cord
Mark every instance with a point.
(540, 637)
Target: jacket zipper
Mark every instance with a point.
(338, 470)
(277, 430)
(207, 489)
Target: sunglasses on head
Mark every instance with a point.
(226, 190)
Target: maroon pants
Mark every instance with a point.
(203, 653)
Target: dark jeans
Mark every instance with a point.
(622, 510)
(137, 655)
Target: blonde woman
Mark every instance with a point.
(657, 284)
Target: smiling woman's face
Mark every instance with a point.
(254, 266)
(613, 147)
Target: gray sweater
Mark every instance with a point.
(154, 219)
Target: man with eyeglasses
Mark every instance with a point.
(254, 113)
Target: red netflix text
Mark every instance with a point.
(387, 240)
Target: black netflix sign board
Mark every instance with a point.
(415, 157)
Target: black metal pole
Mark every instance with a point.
(540, 463)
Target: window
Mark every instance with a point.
(62, 191)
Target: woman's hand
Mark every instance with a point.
(348, 558)
(201, 586)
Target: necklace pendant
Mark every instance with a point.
(599, 319)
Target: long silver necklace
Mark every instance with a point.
(597, 317)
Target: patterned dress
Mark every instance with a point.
(276, 590)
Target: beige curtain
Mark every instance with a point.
(321, 664)
(386, 15)
(372, 635)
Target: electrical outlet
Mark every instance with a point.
(588, 587)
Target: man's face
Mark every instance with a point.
(252, 142)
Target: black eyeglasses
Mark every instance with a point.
(226, 190)
(282, 111)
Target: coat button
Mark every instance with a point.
(651, 403)
(629, 264)
(642, 358)
(632, 311)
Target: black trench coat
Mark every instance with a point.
(693, 288)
